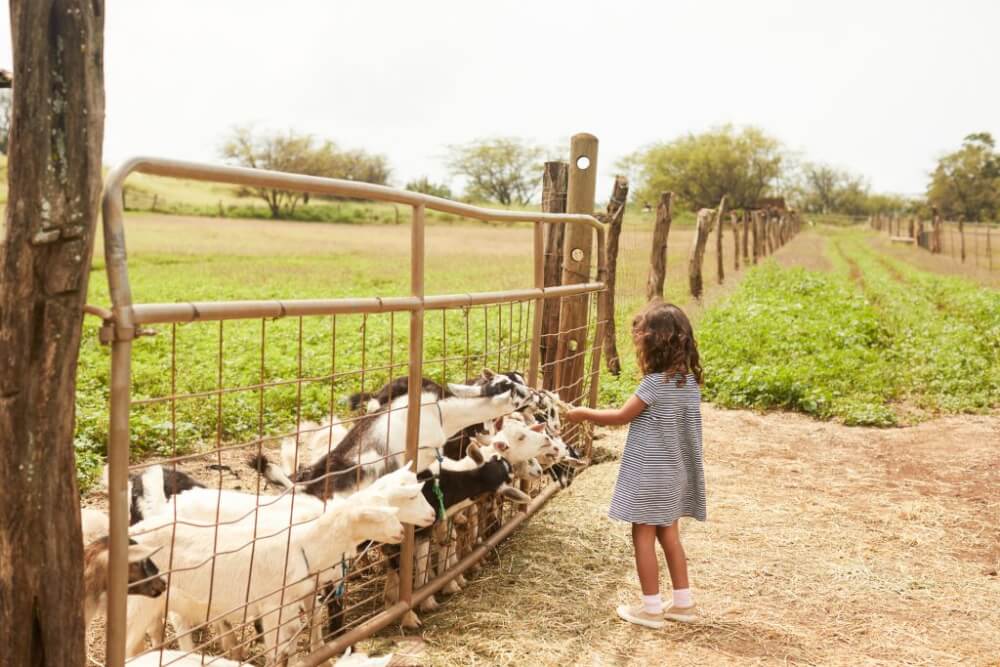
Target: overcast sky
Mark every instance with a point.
(878, 87)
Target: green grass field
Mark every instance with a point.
(874, 341)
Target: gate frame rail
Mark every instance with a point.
(121, 326)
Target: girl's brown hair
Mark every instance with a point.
(664, 342)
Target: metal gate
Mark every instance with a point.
(214, 366)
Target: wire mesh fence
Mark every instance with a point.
(321, 469)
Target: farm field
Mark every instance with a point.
(177, 258)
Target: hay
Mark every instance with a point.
(825, 545)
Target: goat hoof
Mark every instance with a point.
(429, 604)
(451, 588)
(461, 581)
(410, 621)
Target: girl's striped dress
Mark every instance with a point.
(661, 477)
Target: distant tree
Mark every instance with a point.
(505, 170)
(700, 168)
(427, 187)
(5, 100)
(824, 189)
(301, 154)
(966, 183)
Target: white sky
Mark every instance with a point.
(879, 87)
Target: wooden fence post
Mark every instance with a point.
(989, 248)
(702, 229)
(658, 253)
(614, 216)
(577, 248)
(54, 178)
(755, 229)
(746, 231)
(554, 183)
(736, 240)
(961, 237)
(936, 246)
(720, 271)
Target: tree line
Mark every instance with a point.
(745, 164)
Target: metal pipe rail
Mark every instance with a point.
(122, 320)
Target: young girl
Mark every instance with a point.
(661, 477)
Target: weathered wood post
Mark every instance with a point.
(577, 250)
(614, 217)
(961, 237)
(935, 231)
(746, 230)
(54, 179)
(703, 228)
(755, 229)
(720, 271)
(989, 248)
(554, 183)
(658, 253)
(733, 222)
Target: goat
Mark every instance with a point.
(143, 576)
(284, 567)
(399, 490)
(457, 488)
(144, 489)
(377, 443)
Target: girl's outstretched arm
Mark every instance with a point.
(609, 417)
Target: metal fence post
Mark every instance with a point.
(413, 406)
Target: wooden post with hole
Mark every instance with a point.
(734, 223)
(614, 217)
(703, 228)
(658, 252)
(577, 251)
(720, 271)
(554, 183)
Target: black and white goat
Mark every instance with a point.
(377, 443)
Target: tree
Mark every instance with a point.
(825, 189)
(54, 189)
(966, 183)
(701, 168)
(505, 170)
(300, 154)
(427, 187)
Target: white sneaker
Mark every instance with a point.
(681, 614)
(636, 613)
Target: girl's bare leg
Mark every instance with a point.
(670, 539)
(644, 542)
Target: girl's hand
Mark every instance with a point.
(577, 414)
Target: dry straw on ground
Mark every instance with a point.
(825, 545)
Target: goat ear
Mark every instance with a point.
(474, 453)
(538, 428)
(464, 390)
(498, 423)
(488, 374)
(514, 495)
(140, 552)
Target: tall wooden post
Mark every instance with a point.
(658, 253)
(703, 228)
(614, 217)
(961, 236)
(734, 223)
(54, 177)
(755, 229)
(746, 231)
(936, 246)
(720, 271)
(555, 181)
(989, 248)
(577, 251)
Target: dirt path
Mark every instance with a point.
(825, 545)
(943, 264)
